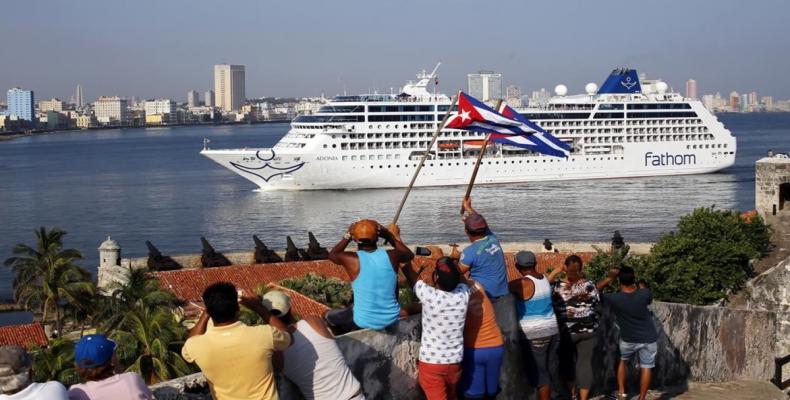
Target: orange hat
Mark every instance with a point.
(365, 230)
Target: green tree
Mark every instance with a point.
(707, 258)
(139, 290)
(55, 362)
(332, 292)
(601, 263)
(47, 279)
(149, 342)
(139, 316)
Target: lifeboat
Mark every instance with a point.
(449, 145)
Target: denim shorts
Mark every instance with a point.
(646, 353)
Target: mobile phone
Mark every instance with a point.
(422, 251)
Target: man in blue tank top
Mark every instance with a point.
(484, 258)
(373, 274)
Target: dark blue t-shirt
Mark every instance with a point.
(486, 261)
(633, 317)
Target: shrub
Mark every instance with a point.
(599, 266)
(331, 292)
(707, 258)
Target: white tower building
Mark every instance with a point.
(229, 86)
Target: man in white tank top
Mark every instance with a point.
(313, 361)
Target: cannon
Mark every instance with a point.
(211, 258)
(263, 254)
(157, 261)
(292, 253)
(314, 249)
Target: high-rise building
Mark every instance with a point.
(709, 102)
(691, 89)
(111, 110)
(743, 102)
(229, 86)
(485, 85)
(513, 96)
(734, 101)
(20, 103)
(768, 103)
(50, 105)
(753, 99)
(193, 98)
(79, 99)
(209, 98)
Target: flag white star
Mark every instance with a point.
(464, 115)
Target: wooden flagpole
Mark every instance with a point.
(425, 156)
(478, 161)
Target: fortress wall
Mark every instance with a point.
(710, 344)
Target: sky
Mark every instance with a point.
(163, 48)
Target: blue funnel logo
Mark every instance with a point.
(622, 80)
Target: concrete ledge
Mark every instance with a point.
(703, 344)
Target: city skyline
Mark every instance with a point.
(326, 55)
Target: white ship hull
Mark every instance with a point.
(317, 173)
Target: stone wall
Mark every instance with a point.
(695, 343)
(770, 172)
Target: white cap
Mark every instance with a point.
(277, 300)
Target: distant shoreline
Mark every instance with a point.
(8, 136)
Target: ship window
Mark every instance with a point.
(334, 146)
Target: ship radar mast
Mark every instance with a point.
(419, 88)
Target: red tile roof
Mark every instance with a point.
(188, 284)
(301, 305)
(23, 335)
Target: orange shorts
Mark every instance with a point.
(438, 381)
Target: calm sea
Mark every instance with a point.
(151, 184)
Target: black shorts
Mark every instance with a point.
(341, 321)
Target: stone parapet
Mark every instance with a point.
(707, 344)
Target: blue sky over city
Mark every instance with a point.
(155, 48)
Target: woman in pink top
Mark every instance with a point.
(94, 357)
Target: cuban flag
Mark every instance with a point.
(508, 128)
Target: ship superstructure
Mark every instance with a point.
(629, 127)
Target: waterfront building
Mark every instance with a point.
(753, 102)
(539, 97)
(209, 98)
(485, 85)
(768, 103)
(743, 102)
(709, 102)
(55, 120)
(691, 89)
(20, 103)
(734, 101)
(53, 104)
(193, 98)
(229, 86)
(79, 99)
(513, 96)
(111, 110)
(85, 121)
(160, 111)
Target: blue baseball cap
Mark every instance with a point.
(93, 351)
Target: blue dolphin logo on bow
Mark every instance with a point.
(261, 172)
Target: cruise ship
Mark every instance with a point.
(627, 127)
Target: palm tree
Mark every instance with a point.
(55, 362)
(47, 278)
(139, 316)
(140, 290)
(149, 341)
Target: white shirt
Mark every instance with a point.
(52, 390)
(443, 319)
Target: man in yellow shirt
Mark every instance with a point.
(235, 358)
